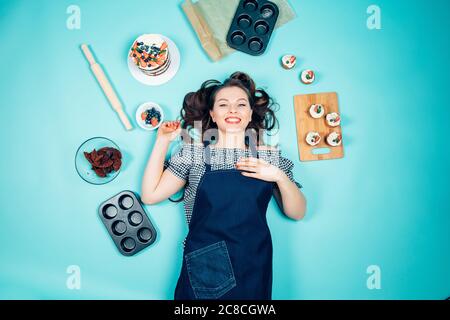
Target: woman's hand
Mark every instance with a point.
(295, 208)
(259, 169)
(169, 130)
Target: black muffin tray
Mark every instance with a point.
(252, 26)
(127, 223)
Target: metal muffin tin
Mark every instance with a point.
(252, 26)
(127, 223)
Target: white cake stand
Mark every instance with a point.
(163, 78)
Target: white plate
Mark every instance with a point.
(163, 78)
(142, 108)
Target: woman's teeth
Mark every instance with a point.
(232, 120)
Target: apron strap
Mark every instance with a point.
(252, 145)
(207, 157)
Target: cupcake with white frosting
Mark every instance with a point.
(313, 138)
(333, 119)
(307, 76)
(288, 61)
(334, 139)
(316, 111)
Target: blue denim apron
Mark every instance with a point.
(228, 250)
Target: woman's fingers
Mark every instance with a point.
(171, 125)
(250, 174)
(248, 164)
(248, 161)
(253, 160)
(247, 168)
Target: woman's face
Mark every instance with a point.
(231, 111)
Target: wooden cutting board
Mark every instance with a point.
(305, 123)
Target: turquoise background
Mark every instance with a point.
(385, 203)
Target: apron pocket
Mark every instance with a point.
(210, 271)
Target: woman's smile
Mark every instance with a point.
(232, 120)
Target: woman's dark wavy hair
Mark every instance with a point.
(196, 106)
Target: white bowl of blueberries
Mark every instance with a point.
(149, 115)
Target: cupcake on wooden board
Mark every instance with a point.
(333, 119)
(334, 139)
(317, 111)
(313, 138)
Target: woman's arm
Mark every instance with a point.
(293, 202)
(159, 184)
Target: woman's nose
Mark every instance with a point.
(233, 108)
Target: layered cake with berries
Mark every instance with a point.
(150, 53)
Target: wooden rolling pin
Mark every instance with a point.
(106, 87)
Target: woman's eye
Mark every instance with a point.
(222, 105)
(242, 105)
